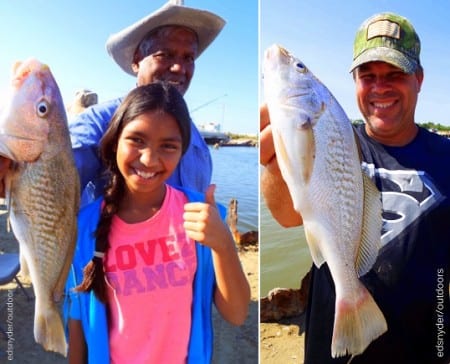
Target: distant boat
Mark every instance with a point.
(212, 135)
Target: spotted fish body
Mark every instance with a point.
(341, 208)
(43, 190)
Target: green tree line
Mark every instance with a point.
(428, 125)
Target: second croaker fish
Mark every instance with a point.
(42, 188)
(340, 206)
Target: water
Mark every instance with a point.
(235, 173)
(284, 254)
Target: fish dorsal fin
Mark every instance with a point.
(371, 228)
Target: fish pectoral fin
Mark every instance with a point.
(282, 154)
(314, 248)
(308, 153)
(299, 164)
(371, 228)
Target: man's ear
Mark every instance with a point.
(135, 67)
(419, 76)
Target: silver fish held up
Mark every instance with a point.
(42, 189)
(340, 206)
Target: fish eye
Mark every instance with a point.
(42, 109)
(300, 65)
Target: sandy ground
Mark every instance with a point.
(282, 342)
(232, 344)
(236, 345)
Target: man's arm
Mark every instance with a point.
(273, 187)
(86, 131)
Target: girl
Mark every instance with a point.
(150, 258)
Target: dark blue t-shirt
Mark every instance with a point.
(410, 279)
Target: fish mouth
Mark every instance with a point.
(7, 152)
(16, 153)
(284, 51)
(21, 138)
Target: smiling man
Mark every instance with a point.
(161, 47)
(387, 98)
(410, 278)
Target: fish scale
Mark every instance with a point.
(41, 206)
(340, 207)
(338, 170)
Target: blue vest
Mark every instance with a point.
(92, 313)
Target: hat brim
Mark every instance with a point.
(121, 46)
(388, 55)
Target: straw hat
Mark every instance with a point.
(121, 46)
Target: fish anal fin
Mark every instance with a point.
(314, 248)
(371, 228)
(58, 289)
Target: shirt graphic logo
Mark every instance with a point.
(406, 195)
(157, 264)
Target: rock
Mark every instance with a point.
(249, 238)
(284, 302)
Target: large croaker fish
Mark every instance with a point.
(42, 189)
(340, 206)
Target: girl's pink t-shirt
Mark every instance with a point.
(150, 269)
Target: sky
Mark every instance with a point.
(69, 36)
(321, 34)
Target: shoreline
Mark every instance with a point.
(242, 142)
(234, 143)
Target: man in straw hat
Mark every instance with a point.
(162, 46)
(410, 278)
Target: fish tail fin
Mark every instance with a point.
(49, 331)
(356, 325)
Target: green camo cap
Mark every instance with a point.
(390, 38)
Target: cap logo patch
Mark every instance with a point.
(383, 28)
